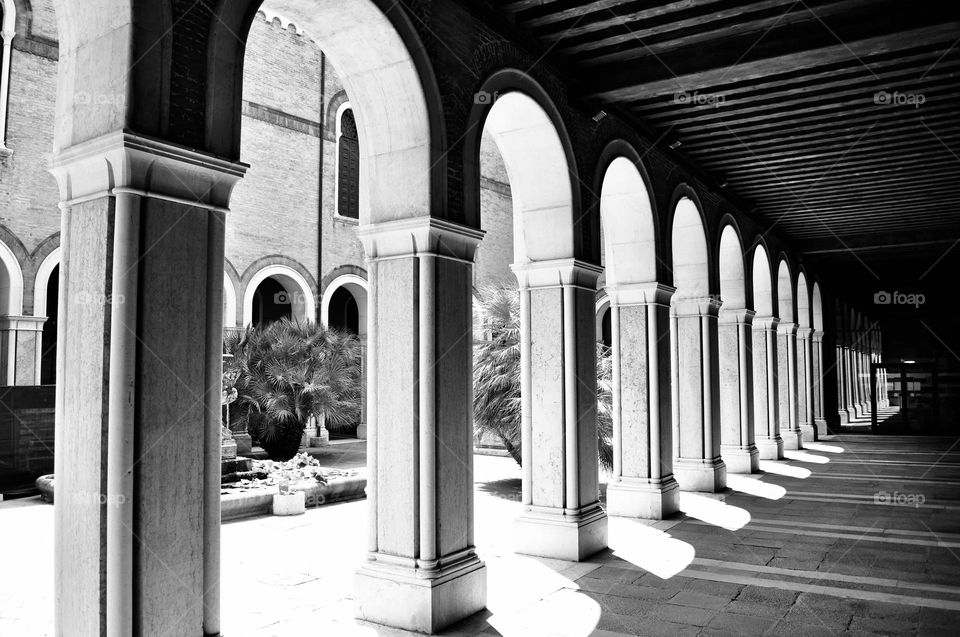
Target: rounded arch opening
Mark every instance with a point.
(785, 292)
(229, 302)
(762, 282)
(344, 304)
(11, 283)
(387, 74)
(803, 301)
(627, 221)
(535, 158)
(286, 294)
(817, 308)
(691, 265)
(604, 325)
(733, 290)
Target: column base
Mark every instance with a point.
(555, 533)
(821, 425)
(647, 498)
(770, 448)
(740, 459)
(792, 439)
(844, 416)
(398, 595)
(694, 474)
(808, 432)
(362, 431)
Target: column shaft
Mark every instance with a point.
(766, 388)
(562, 517)
(422, 572)
(696, 409)
(642, 484)
(805, 383)
(787, 377)
(737, 437)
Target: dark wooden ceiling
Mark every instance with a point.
(834, 121)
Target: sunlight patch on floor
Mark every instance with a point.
(713, 511)
(758, 488)
(772, 466)
(649, 548)
(803, 456)
(819, 446)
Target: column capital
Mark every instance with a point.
(419, 236)
(736, 316)
(817, 336)
(697, 306)
(804, 332)
(787, 328)
(651, 293)
(123, 162)
(22, 323)
(766, 322)
(557, 273)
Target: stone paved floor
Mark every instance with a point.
(856, 535)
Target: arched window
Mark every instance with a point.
(344, 312)
(348, 166)
(8, 20)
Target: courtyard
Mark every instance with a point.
(854, 535)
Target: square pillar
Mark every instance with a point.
(737, 436)
(137, 460)
(422, 572)
(819, 415)
(20, 349)
(642, 484)
(561, 517)
(787, 378)
(765, 388)
(805, 387)
(696, 396)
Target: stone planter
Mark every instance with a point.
(292, 503)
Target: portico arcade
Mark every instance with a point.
(145, 184)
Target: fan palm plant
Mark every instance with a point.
(496, 375)
(290, 372)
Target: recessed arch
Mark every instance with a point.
(762, 282)
(303, 305)
(785, 307)
(11, 283)
(691, 259)
(627, 218)
(803, 301)
(357, 288)
(733, 288)
(603, 320)
(42, 280)
(346, 163)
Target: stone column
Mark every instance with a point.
(805, 383)
(422, 572)
(765, 388)
(642, 484)
(787, 388)
(137, 519)
(20, 349)
(819, 415)
(7, 37)
(848, 384)
(737, 437)
(561, 515)
(696, 396)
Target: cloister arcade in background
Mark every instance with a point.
(713, 368)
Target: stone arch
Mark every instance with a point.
(357, 287)
(229, 301)
(733, 287)
(538, 156)
(816, 307)
(628, 219)
(11, 283)
(296, 286)
(603, 317)
(387, 74)
(690, 251)
(803, 301)
(762, 281)
(785, 302)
